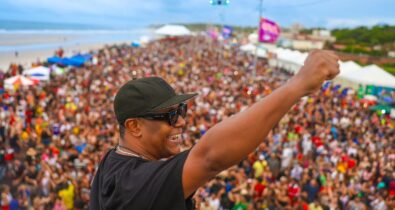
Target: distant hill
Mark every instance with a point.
(375, 41)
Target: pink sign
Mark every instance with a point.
(269, 31)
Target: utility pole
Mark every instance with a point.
(256, 45)
(222, 18)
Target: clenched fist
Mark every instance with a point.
(319, 66)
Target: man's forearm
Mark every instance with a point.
(231, 140)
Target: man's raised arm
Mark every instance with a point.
(228, 142)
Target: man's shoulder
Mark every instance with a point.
(116, 164)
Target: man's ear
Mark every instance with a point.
(133, 126)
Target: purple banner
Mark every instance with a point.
(269, 31)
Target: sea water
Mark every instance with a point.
(14, 33)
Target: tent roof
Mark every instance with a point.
(173, 30)
(40, 73)
(348, 67)
(248, 47)
(18, 80)
(292, 56)
(349, 70)
(371, 75)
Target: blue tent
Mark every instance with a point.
(76, 60)
(54, 59)
(135, 44)
(80, 59)
(60, 61)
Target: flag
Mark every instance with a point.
(326, 85)
(269, 31)
(344, 92)
(227, 32)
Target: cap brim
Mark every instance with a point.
(174, 100)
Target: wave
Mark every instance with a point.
(76, 31)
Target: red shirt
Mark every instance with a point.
(351, 163)
(317, 141)
(293, 190)
(259, 188)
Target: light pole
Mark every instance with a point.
(256, 45)
(221, 16)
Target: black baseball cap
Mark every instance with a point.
(146, 95)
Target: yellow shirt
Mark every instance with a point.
(341, 167)
(67, 196)
(258, 167)
(312, 206)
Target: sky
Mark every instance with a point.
(140, 13)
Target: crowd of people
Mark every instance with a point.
(328, 152)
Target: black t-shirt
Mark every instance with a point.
(126, 182)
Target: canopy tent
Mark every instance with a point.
(76, 60)
(290, 60)
(18, 80)
(248, 47)
(261, 53)
(253, 37)
(54, 59)
(79, 60)
(370, 75)
(347, 68)
(83, 57)
(173, 30)
(144, 40)
(135, 44)
(40, 73)
(57, 70)
(351, 74)
(384, 108)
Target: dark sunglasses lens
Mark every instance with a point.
(183, 110)
(173, 117)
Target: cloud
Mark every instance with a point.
(145, 12)
(89, 7)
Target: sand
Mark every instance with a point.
(31, 47)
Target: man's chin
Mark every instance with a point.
(174, 151)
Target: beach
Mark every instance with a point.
(25, 47)
(26, 57)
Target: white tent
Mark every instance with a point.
(253, 37)
(58, 70)
(348, 67)
(18, 80)
(144, 40)
(370, 75)
(248, 47)
(40, 73)
(290, 60)
(173, 30)
(261, 53)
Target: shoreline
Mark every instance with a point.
(27, 57)
(26, 48)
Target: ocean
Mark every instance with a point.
(18, 36)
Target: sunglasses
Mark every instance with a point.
(171, 116)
